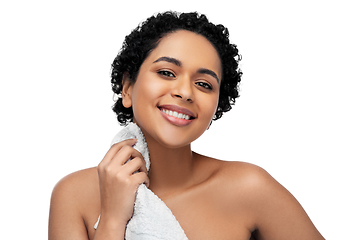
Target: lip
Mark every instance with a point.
(174, 120)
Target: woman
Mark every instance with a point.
(175, 74)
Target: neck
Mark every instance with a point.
(171, 169)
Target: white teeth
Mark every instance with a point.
(176, 114)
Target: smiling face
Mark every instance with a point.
(176, 92)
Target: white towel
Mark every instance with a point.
(152, 219)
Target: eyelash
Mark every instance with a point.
(166, 73)
(169, 74)
(204, 85)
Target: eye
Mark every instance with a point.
(166, 73)
(204, 85)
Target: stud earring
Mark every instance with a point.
(115, 97)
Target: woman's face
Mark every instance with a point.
(176, 92)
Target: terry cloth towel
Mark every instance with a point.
(151, 219)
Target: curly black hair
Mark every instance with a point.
(143, 39)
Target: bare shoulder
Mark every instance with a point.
(252, 179)
(239, 174)
(242, 181)
(251, 193)
(78, 190)
(83, 181)
(74, 198)
(241, 170)
(85, 175)
(253, 186)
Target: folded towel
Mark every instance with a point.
(151, 219)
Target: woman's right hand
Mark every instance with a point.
(119, 181)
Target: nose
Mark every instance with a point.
(182, 89)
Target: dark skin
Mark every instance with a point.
(211, 199)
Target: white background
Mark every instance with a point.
(297, 117)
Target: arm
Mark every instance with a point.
(278, 214)
(70, 200)
(116, 184)
(65, 220)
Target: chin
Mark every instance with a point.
(174, 143)
(171, 138)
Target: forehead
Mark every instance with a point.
(192, 49)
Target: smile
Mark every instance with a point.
(175, 114)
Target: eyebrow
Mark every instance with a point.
(208, 72)
(179, 64)
(170, 60)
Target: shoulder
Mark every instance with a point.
(242, 175)
(74, 181)
(255, 185)
(241, 180)
(273, 210)
(250, 183)
(75, 188)
(250, 177)
(74, 198)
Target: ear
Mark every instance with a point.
(126, 91)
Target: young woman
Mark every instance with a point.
(175, 74)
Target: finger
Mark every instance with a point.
(140, 178)
(115, 149)
(135, 164)
(124, 154)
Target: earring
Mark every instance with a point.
(115, 97)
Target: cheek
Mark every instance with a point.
(145, 95)
(208, 111)
(211, 106)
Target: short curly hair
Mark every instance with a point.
(143, 39)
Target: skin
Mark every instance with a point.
(211, 199)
